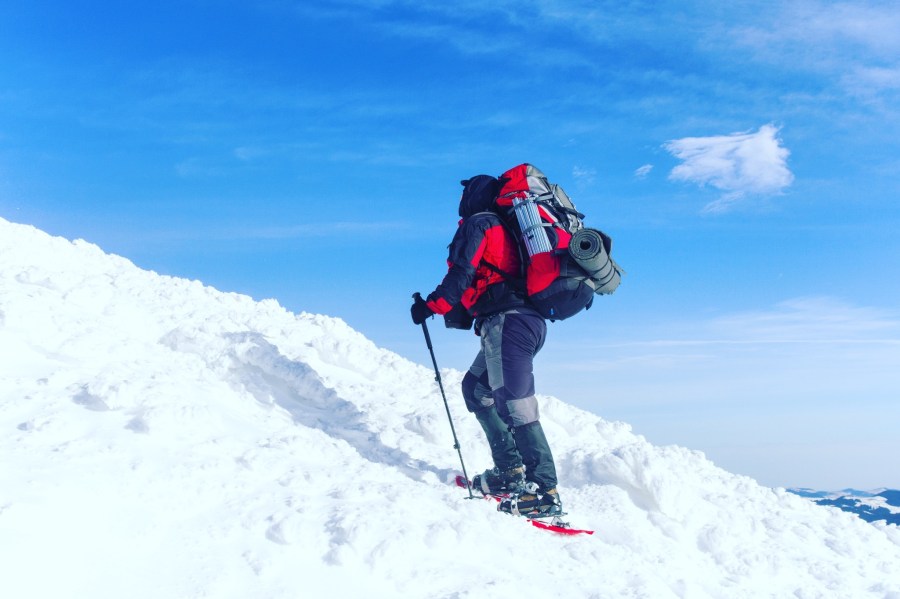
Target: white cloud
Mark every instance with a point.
(854, 44)
(739, 164)
(350, 228)
(811, 320)
(643, 171)
(586, 175)
(247, 153)
(827, 32)
(801, 353)
(870, 83)
(198, 168)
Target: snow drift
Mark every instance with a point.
(163, 439)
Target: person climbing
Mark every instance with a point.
(499, 385)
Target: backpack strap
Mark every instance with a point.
(508, 282)
(571, 211)
(513, 281)
(516, 281)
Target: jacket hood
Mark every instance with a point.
(478, 194)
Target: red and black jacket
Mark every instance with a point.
(481, 250)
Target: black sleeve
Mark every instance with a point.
(466, 251)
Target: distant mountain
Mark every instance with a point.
(871, 506)
(891, 496)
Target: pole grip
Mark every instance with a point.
(418, 296)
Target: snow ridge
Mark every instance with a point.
(162, 438)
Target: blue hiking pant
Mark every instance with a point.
(501, 379)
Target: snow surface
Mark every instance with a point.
(163, 439)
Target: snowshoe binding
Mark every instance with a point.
(496, 482)
(531, 502)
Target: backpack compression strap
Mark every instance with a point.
(513, 281)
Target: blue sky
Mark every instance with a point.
(744, 157)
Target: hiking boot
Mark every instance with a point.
(495, 482)
(532, 503)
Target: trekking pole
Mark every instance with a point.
(437, 377)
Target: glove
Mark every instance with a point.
(420, 310)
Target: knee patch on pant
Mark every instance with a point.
(519, 412)
(476, 391)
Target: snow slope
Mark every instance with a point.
(163, 439)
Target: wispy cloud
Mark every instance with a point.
(584, 175)
(346, 228)
(872, 83)
(853, 43)
(811, 320)
(337, 232)
(811, 347)
(472, 28)
(739, 164)
(643, 171)
(816, 320)
(825, 32)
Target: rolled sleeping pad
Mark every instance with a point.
(588, 249)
